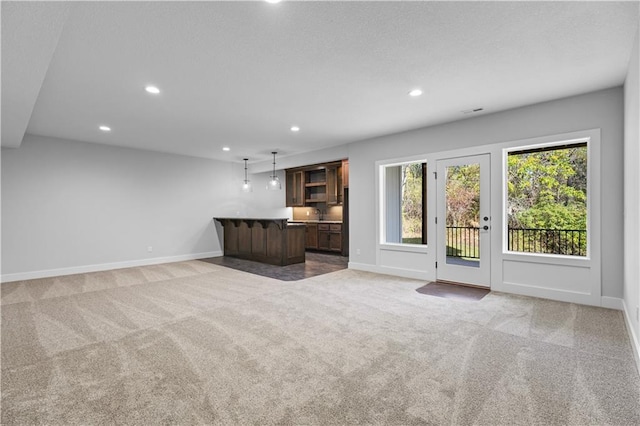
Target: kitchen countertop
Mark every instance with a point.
(280, 221)
(315, 221)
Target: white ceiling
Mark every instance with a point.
(30, 33)
(242, 73)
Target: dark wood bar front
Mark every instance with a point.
(273, 241)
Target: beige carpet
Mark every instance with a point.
(196, 343)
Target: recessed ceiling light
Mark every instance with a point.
(152, 89)
(105, 128)
(273, 1)
(226, 148)
(415, 92)
(295, 128)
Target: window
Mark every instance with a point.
(547, 200)
(405, 203)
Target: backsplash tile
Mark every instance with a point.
(329, 213)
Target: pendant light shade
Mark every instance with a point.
(246, 185)
(274, 183)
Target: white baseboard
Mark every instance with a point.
(398, 272)
(105, 266)
(612, 303)
(547, 293)
(633, 337)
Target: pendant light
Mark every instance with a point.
(274, 183)
(246, 185)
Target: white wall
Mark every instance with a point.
(262, 202)
(325, 155)
(632, 192)
(71, 206)
(602, 109)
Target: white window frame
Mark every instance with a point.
(381, 167)
(505, 197)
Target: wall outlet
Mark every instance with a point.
(357, 251)
(149, 249)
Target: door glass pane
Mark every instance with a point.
(463, 215)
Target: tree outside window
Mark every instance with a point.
(413, 203)
(547, 200)
(405, 193)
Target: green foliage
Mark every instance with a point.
(548, 190)
(463, 195)
(553, 216)
(412, 203)
(416, 240)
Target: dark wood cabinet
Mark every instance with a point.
(311, 186)
(323, 190)
(273, 241)
(295, 188)
(315, 187)
(323, 236)
(335, 241)
(295, 245)
(334, 185)
(323, 240)
(335, 237)
(345, 173)
(330, 237)
(312, 236)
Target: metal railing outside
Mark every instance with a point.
(464, 241)
(572, 242)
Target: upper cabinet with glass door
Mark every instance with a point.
(334, 184)
(316, 184)
(295, 188)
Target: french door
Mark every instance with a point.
(463, 228)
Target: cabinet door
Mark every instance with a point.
(335, 241)
(345, 173)
(295, 189)
(312, 236)
(334, 185)
(323, 240)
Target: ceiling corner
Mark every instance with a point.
(30, 34)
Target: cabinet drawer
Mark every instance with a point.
(323, 227)
(336, 227)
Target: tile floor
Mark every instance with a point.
(316, 264)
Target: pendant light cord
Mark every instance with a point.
(274, 165)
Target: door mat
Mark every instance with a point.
(453, 291)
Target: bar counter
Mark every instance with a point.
(272, 241)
